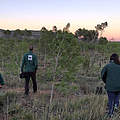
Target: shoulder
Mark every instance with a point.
(34, 55)
(112, 66)
(25, 54)
(107, 65)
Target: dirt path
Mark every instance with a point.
(21, 91)
(56, 95)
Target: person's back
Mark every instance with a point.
(113, 76)
(29, 68)
(29, 62)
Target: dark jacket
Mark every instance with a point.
(29, 62)
(1, 80)
(111, 76)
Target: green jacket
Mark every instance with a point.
(29, 62)
(1, 80)
(111, 75)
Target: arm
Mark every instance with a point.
(104, 74)
(1, 80)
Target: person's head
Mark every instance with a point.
(31, 48)
(115, 57)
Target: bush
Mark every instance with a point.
(103, 40)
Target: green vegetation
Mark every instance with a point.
(88, 35)
(103, 40)
(67, 76)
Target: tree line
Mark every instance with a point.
(82, 34)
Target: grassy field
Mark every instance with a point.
(74, 82)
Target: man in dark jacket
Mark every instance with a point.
(29, 67)
(111, 76)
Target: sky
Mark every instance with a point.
(34, 14)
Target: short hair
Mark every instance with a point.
(31, 48)
(115, 58)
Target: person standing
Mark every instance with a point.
(111, 77)
(29, 68)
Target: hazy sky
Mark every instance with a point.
(33, 14)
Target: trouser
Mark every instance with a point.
(113, 100)
(31, 75)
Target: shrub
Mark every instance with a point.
(103, 40)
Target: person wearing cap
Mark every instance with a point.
(29, 67)
(1, 81)
(111, 77)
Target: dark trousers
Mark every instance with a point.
(31, 75)
(113, 100)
